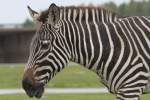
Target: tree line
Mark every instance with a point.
(132, 8)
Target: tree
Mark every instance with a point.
(28, 23)
(133, 8)
(111, 6)
(122, 9)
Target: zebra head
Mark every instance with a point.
(47, 52)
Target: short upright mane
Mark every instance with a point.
(44, 14)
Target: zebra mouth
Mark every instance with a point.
(33, 90)
(37, 92)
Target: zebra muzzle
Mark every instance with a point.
(31, 89)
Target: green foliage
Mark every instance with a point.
(133, 8)
(28, 24)
(112, 6)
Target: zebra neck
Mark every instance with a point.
(80, 28)
(83, 42)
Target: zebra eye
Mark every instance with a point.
(45, 44)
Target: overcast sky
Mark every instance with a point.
(15, 11)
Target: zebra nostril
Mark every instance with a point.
(26, 84)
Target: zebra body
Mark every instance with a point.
(117, 50)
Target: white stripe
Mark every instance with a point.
(99, 41)
(130, 89)
(111, 51)
(102, 16)
(148, 28)
(74, 44)
(85, 48)
(43, 68)
(79, 41)
(63, 53)
(111, 75)
(69, 14)
(139, 41)
(142, 31)
(71, 52)
(65, 32)
(97, 14)
(134, 61)
(146, 18)
(110, 17)
(57, 60)
(41, 81)
(146, 65)
(126, 62)
(90, 38)
(42, 76)
(60, 57)
(132, 94)
(67, 55)
(136, 82)
(127, 74)
(120, 96)
(50, 60)
(136, 76)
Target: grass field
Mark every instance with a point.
(61, 97)
(66, 97)
(73, 76)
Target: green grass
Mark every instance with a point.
(60, 97)
(11, 76)
(71, 76)
(66, 97)
(75, 76)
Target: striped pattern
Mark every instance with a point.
(118, 51)
(101, 14)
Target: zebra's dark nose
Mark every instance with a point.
(32, 89)
(28, 86)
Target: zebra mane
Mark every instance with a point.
(106, 13)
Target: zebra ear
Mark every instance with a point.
(54, 14)
(33, 14)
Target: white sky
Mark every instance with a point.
(15, 11)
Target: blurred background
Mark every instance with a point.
(16, 31)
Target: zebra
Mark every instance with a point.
(117, 51)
